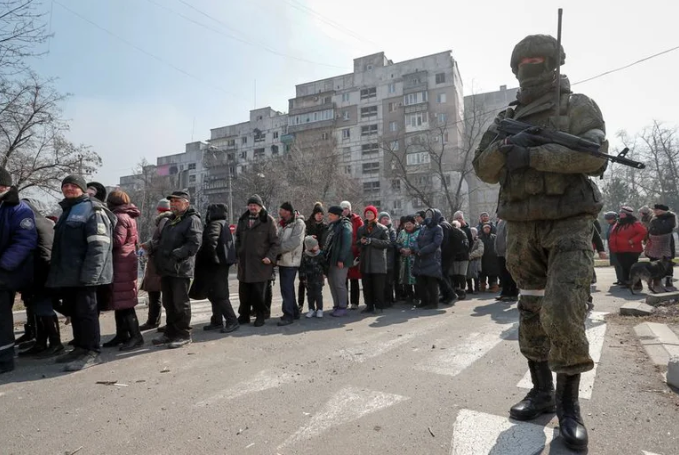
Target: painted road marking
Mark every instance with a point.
(264, 380)
(596, 334)
(478, 433)
(345, 406)
(455, 359)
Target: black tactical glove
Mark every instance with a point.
(517, 157)
(526, 138)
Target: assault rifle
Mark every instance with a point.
(511, 127)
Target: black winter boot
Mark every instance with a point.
(51, 324)
(571, 425)
(153, 320)
(122, 333)
(136, 339)
(29, 328)
(40, 339)
(540, 399)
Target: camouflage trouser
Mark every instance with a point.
(552, 263)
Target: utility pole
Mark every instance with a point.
(80, 165)
(230, 197)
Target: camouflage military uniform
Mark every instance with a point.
(550, 208)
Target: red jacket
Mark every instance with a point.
(627, 238)
(356, 222)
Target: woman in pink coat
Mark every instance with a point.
(125, 268)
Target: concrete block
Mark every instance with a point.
(673, 372)
(636, 309)
(655, 299)
(659, 341)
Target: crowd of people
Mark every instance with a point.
(85, 261)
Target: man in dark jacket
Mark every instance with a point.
(174, 256)
(385, 220)
(448, 295)
(257, 246)
(82, 260)
(18, 239)
(484, 218)
(213, 260)
(427, 268)
(460, 251)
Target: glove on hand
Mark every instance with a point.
(526, 138)
(517, 157)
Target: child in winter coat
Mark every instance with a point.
(311, 274)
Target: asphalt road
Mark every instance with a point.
(403, 382)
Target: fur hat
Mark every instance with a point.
(75, 180)
(345, 205)
(255, 199)
(661, 207)
(100, 190)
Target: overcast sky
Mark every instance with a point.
(193, 76)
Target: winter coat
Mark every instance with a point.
(407, 240)
(125, 263)
(489, 264)
(475, 258)
(356, 223)
(459, 245)
(470, 238)
(427, 250)
(391, 249)
(493, 227)
(373, 254)
(627, 237)
(338, 246)
(82, 254)
(209, 266)
(318, 230)
(291, 236)
(151, 281)
(311, 269)
(175, 254)
(448, 243)
(660, 242)
(43, 253)
(18, 240)
(254, 243)
(501, 239)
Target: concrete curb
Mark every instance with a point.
(659, 341)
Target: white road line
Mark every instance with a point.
(263, 380)
(455, 359)
(478, 433)
(345, 406)
(650, 453)
(596, 334)
(372, 346)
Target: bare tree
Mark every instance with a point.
(22, 29)
(33, 146)
(145, 192)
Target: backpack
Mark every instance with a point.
(226, 247)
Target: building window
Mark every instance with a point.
(367, 149)
(231, 143)
(422, 180)
(346, 134)
(345, 97)
(393, 107)
(232, 171)
(371, 168)
(192, 179)
(368, 93)
(310, 117)
(368, 111)
(325, 136)
(259, 117)
(414, 159)
(259, 153)
(345, 115)
(368, 130)
(414, 98)
(192, 166)
(347, 169)
(393, 126)
(398, 204)
(417, 202)
(231, 157)
(396, 185)
(243, 169)
(244, 155)
(417, 119)
(394, 146)
(327, 100)
(441, 98)
(274, 150)
(371, 186)
(392, 88)
(275, 134)
(375, 203)
(440, 78)
(442, 118)
(244, 140)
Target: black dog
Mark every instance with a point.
(650, 272)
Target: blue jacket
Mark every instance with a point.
(428, 249)
(18, 240)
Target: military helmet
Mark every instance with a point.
(536, 46)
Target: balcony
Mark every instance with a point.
(419, 107)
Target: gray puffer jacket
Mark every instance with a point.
(374, 253)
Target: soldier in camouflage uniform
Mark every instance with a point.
(550, 204)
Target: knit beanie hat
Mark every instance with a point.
(163, 205)
(645, 210)
(75, 180)
(287, 206)
(336, 210)
(345, 205)
(371, 208)
(318, 208)
(310, 242)
(627, 210)
(5, 177)
(100, 190)
(256, 199)
(610, 216)
(383, 214)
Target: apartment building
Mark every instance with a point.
(483, 197)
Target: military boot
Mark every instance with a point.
(540, 399)
(571, 426)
